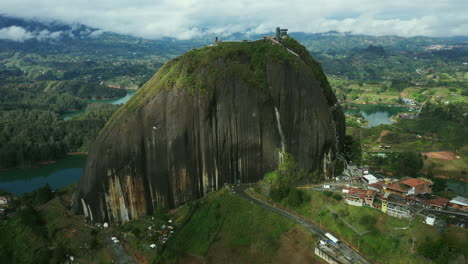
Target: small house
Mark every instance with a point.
(384, 200)
(370, 179)
(418, 186)
(395, 205)
(3, 200)
(396, 188)
(430, 220)
(369, 197)
(459, 203)
(437, 203)
(377, 186)
(410, 186)
(346, 189)
(398, 210)
(355, 197)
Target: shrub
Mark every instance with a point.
(337, 197)
(295, 198)
(278, 194)
(438, 251)
(343, 212)
(257, 189)
(59, 255)
(368, 221)
(30, 218)
(322, 212)
(136, 232)
(160, 213)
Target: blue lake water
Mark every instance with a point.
(377, 114)
(62, 173)
(114, 101)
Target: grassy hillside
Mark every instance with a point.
(39, 230)
(220, 228)
(382, 238)
(227, 229)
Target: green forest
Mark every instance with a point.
(30, 136)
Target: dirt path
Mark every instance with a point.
(383, 134)
(446, 155)
(118, 252)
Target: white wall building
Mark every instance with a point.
(370, 179)
(3, 200)
(430, 220)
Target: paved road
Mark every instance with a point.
(344, 249)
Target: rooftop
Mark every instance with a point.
(460, 200)
(414, 182)
(377, 185)
(356, 192)
(434, 200)
(370, 177)
(371, 192)
(397, 186)
(439, 201)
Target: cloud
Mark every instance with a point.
(95, 33)
(186, 19)
(15, 33)
(20, 34)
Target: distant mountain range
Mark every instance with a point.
(343, 54)
(45, 37)
(30, 30)
(18, 29)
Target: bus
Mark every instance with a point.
(332, 238)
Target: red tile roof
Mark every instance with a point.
(397, 186)
(377, 185)
(371, 192)
(414, 182)
(356, 192)
(438, 201)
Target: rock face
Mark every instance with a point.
(221, 114)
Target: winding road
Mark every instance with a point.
(344, 249)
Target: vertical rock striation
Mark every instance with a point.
(216, 115)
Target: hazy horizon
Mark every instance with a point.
(187, 19)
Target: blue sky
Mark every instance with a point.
(185, 19)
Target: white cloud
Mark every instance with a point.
(189, 18)
(96, 33)
(15, 33)
(20, 34)
(55, 35)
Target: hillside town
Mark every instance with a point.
(3, 205)
(402, 198)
